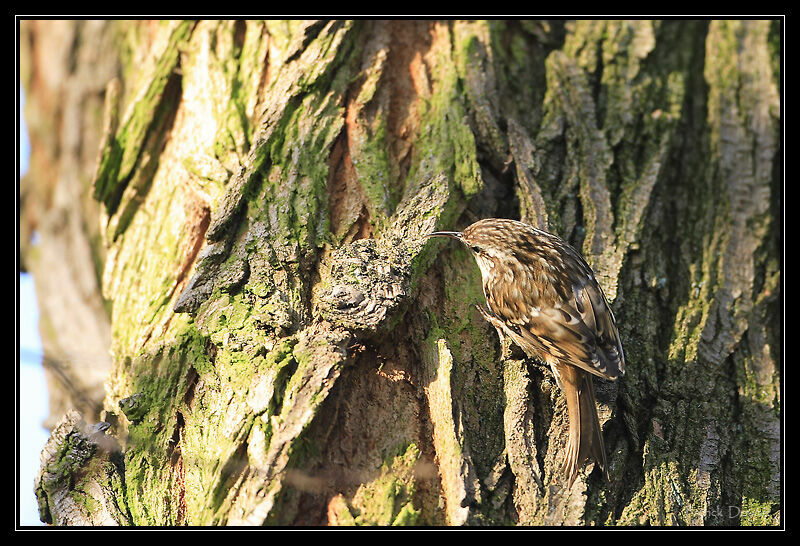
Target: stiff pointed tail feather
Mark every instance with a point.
(585, 436)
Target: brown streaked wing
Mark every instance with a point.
(598, 313)
(569, 340)
(592, 306)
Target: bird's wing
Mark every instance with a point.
(564, 335)
(591, 305)
(574, 324)
(583, 301)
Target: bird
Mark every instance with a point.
(542, 294)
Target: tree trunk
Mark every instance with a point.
(288, 349)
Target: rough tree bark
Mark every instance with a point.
(286, 347)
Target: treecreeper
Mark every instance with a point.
(543, 295)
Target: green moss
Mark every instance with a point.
(446, 142)
(85, 500)
(474, 59)
(161, 379)
(375, 171)
(214, 440)
(74, 452)
(381, 502)
(302, 358)
(345, 516)
(117, 164)
(281, 354)
(292, 190)
(407, 516)
(281, 32)
(473, 350)
(286, 195)
(757, 513)
(300, 158)
(388, 499)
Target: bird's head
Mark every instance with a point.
(491, 241)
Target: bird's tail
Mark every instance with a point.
(585, 436)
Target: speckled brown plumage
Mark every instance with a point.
(543, 295)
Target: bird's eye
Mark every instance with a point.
(475, 249)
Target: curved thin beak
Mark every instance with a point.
(451, 234)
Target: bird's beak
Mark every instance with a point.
(451, 234)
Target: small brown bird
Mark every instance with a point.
(544, 296)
